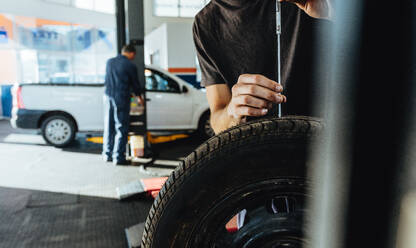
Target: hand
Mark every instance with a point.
(314, 8)
(140, 99)
(254, 95)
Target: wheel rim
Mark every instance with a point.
(58, 131)
(208, 129)
(273, 219)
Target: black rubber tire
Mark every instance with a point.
(202, 130)
(274, 150)
(64, 118)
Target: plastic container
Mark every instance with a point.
(137, 146)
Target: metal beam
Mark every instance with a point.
(121, 24)
(135, 19)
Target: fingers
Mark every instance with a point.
(257, 91)
(249, 111)
(246, 105)
(254, 95)
(261, 81)
(251, 101)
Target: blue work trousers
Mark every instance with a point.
(116, 128)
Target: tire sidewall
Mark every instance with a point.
(63, 118)
(215, 178)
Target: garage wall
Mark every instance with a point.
(174, 39)
(156, 47)
(61, 12)
(180, 45)
(58, 12)
(182, 54)
(172, 46)
(152, 22)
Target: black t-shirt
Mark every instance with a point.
(234, 37)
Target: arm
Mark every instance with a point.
(253, 95)
(134, 81)
(135, 84)
(219, 96)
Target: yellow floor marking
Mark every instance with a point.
(152, 139)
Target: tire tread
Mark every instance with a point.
(258, 129)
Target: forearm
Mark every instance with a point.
(134, 82)
(221, 120)
(252, 95)
(137, 91)
(135, 86)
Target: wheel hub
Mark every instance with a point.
(58, 131)
(273, 218)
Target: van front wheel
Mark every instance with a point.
(204, 127)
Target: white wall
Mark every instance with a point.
(181, 47)
(56, 12)
(152, 22)
(174, 39)
(59, 12)
(175, 45)
(157, 41)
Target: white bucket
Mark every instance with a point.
(137, 146)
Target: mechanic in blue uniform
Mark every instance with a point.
(121, 80)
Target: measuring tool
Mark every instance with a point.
(279, 32)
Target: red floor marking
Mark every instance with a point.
(232, 226)
(153, 184)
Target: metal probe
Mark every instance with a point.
(279, 32)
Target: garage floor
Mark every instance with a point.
(27, 162)
(53, 197)
(42, 219)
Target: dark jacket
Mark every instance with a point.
(121, 79)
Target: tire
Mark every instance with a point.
(204, 126)
(259, 167)
(58, 130)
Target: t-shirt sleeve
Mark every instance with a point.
(210, 74)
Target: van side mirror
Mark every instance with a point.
(184, 89)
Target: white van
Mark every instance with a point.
(61, 110)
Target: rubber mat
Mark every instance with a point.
(62, 220)
(41, 199)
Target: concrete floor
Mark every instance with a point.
(53, 197)
(26, 162)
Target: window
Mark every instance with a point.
(166, 8)
(47, 51)
(156, 81)
(84, 4)
(178, 8)
(104, 6)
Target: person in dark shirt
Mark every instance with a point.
(121, 80)
(237, 50)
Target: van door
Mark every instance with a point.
(167, 107)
